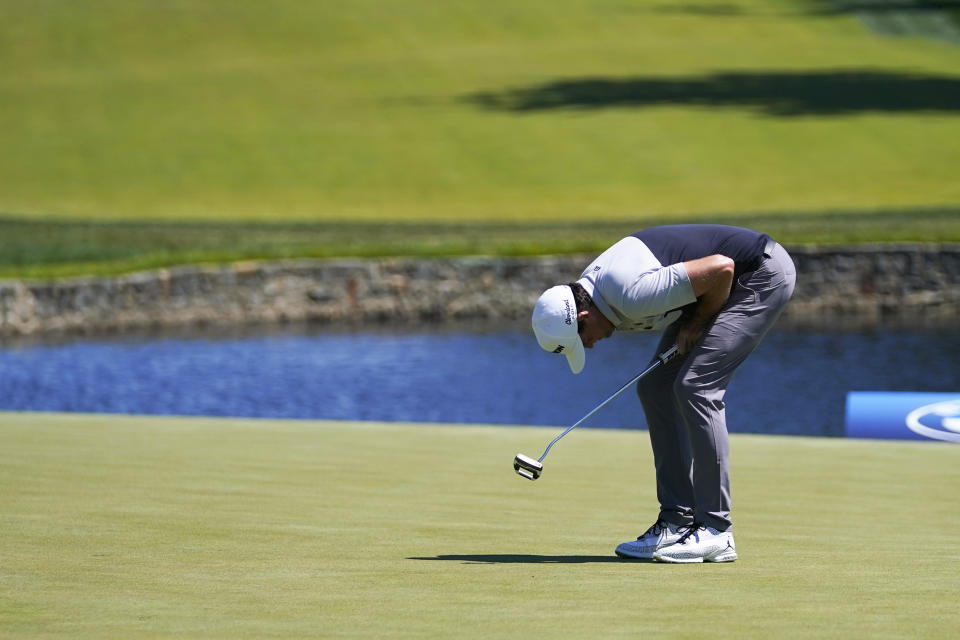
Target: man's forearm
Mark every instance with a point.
(711, 278)
(710, 303)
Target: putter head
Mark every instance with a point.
(527, 467)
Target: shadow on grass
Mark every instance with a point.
(818, 8)
(521, 558)
(887, 6)
(773, 93)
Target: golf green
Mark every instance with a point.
(123, 526)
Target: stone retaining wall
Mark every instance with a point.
(903, 285)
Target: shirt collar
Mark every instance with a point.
(590, 287)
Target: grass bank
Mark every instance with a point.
(156, 526)
(31, 248)
(373, 110)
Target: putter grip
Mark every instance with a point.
(669, 354)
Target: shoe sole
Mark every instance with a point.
(729, 556)
(629, 556)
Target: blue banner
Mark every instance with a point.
(903, 416)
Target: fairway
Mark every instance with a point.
(120, 526)
(416, 110)
(144, 135)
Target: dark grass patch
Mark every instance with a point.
(772, 93)
(51, 248)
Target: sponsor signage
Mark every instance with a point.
(903, 416)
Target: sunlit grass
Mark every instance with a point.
(331, 111)
(121, 526)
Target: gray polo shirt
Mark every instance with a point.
(634, 290)
(640, 283)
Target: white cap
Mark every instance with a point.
(555, 325)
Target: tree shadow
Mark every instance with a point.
(818, 7)
(519, 558)
(773, 93)
(890, 6)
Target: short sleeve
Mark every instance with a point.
(656, 291)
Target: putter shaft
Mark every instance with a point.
(663, 358)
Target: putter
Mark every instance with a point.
(531, 469)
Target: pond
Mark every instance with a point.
(795, 383)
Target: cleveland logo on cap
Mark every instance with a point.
(569, 309)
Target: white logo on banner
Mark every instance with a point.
(945, 415)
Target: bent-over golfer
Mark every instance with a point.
(715, 291)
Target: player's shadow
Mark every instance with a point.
(828, 92)
(519, 558)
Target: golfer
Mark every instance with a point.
(714, 291)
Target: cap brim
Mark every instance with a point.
(576, 356)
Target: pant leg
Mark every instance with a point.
(669, 439)
(701, 382)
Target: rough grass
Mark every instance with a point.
(32, 248)
(143, 527)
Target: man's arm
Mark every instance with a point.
(711, 278)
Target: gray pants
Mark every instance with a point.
(683, 401)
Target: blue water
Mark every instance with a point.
(795, 383)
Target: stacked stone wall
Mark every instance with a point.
(864, 285)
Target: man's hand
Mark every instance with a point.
(689, 333)
(711, 278)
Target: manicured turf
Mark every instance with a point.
(450, 129)
(417, 110)
(143, 527)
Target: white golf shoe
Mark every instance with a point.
(658, 536)
(699, 543)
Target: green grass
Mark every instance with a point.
(380, 110)
(56, 248)
(157, 527)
